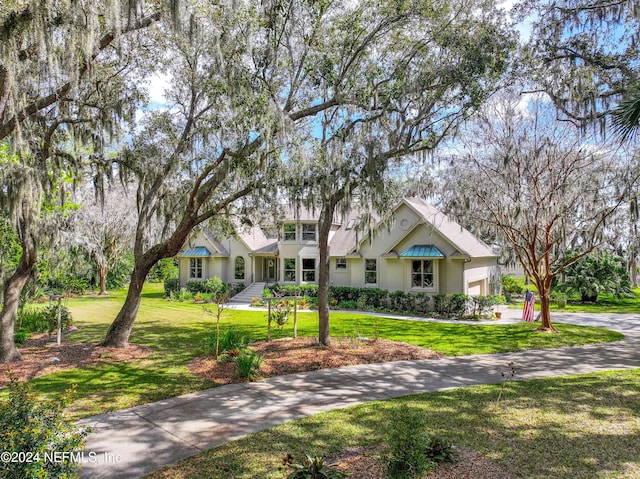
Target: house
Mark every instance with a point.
(417, 248)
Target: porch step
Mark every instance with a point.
(254, 290)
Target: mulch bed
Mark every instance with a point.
(288, 356)
(365, 463)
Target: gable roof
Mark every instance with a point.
(345, 239)
(463, 240)
(255, 239)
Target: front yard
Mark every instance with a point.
(574, 427)
(175, 332)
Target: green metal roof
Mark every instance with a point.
(197, 251)
(422, 251)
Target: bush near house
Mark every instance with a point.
(374, 299)
(213, 286)
(171, 285)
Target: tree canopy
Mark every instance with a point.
(538, 186)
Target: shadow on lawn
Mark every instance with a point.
(571, 427)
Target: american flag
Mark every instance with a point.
(527, 311)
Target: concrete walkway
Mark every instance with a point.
(133, 442)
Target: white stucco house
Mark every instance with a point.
(416, 248)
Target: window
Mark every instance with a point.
(341, 264)
(370, 271)
(239, 267)
(422, 273)
(195, 268)
(309, 270)
(308, 232)
(290, 232)
(290, 269)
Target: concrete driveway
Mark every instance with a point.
(133, 442)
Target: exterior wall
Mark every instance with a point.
(453, 280)
(298, 249)
(235, 248)
(220, 266)
(405, 230)
(476, 276)
(340, 277)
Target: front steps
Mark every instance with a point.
(254, 290)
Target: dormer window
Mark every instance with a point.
(308, 232)
(290, 232)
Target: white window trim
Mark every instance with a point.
(195, 268)
(315, 270)
(377, 271)
(431, 289)
(284, 270)
(346, 265)
(315, 233)
(295, 233)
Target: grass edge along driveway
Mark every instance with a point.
(568, 427)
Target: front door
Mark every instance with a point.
(272, 270)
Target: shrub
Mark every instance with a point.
(50, 315)
(182, 295)
(512, 285)
(20, 336)
(450, 305)
(235, 288)
(439, 450)
(407, 444)
(196, 287)
(32, 320)
(249, 363)
(595, 274)
(33, 427)
(232, 338)
(216, 288)
(421, 302)
(314, 468)
(294, 290)
(348, 305)
(171, 285)
(481, 306)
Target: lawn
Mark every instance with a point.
(574, 427)
(606, 304)
(176, 332)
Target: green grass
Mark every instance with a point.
(176, 332)
(606, 304)
(574, 427)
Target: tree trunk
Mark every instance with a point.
(544, 290)
(103, 271)
(12, 289)
(120, 329)
(324, 227)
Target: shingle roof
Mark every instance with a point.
(216, 244)
(255, 239)
(462, 239)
